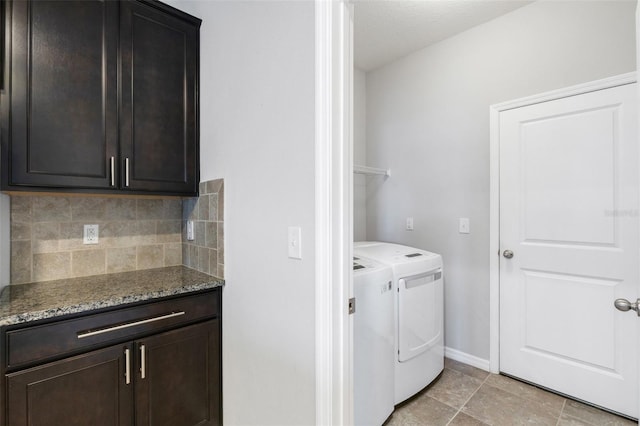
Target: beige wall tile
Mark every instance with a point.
(172, 209)
(203, 260)
(173, 254)
(184, 231)
(220, 270)
(213, 186)
(71, 236)
(169, 231)
(193, 256)
(88, 262)
(145, 232)
(221, 203)
(46, 237)
(203, 207)
(21, 209)
(220, 235)
(199, 233)
(202, 188)
(213, 262)
(213, 207)
(189, 210)
(21, 262)
(151, 256)
(88, 209)
(51, 209)
(119, 233)
(121, 259)
(149, 209)
(120, 209)
(185, 254)
(20, 231)
(211, 235)
(51, 266)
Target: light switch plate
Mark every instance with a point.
(295, 242)
(463, 226)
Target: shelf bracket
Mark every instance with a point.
(366, 170)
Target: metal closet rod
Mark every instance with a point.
(366, 170)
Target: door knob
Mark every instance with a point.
(508, 254)
(624, 305)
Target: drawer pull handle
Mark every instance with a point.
(127, 367)
(143, 362)
(82, 335)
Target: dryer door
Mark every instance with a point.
(420, 306)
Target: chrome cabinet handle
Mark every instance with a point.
(508, 254)
(113, 171)
(127, 325)
(143, 362)
(127, 367)
(126, 171)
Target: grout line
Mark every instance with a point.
(561, 411)
(469, 399)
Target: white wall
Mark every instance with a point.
(359, 155)
(257, 132)
(427, 120)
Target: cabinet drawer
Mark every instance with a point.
(36, 344)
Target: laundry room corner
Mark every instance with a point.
(427, 120)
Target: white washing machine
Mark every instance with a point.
(418, 313)
(373, 342)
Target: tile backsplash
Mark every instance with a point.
(206, 252)
(134, 234)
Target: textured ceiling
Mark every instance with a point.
(386, 30)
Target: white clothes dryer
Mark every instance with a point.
(373, 342)
(418, 313)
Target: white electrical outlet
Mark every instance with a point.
(91, 234)
(294, 242)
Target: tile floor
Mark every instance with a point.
(466, 396)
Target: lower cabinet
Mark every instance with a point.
(177, 377)
(170, 378)
(84, 390)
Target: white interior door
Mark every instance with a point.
(569, 214)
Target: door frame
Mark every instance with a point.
(334, 211)
(494, 191)
(334, 397)
(638, 89)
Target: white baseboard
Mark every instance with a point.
(466, 358)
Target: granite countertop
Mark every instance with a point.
(36, 301)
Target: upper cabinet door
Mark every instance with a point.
(158, 121)
(63, 102)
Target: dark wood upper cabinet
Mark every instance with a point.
(158, 121)
(63, 128)
(101, 97)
